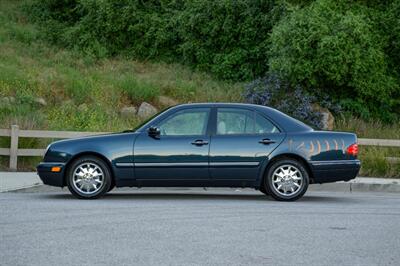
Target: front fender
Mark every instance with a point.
(115, 149)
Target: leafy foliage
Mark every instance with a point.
(330, 46)
(389, 23)
(227, 38)
(273, 91)
(102, 28)
(347, 50)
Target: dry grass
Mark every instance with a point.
(372, 129)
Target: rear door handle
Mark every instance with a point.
(199, 142)
(266, 141)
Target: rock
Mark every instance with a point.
(128, 111)
(327, 119)
(83, 107)
(40, 101)
(7, 100)
(68, 102)
(166, 101)
(146, 110)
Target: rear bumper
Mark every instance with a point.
(51, 178)
(332, 171)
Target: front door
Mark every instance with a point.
(181, 150)
(242, 142)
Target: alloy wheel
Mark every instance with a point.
(88, 178)
(287, 180)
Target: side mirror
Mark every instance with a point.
(154, 132)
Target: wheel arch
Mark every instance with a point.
(88, 153)
(283, 156)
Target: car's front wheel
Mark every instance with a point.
(263, 190)
(286, 180)
(88, 177)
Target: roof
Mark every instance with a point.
(288, 123)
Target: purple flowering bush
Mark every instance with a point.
(276, 92)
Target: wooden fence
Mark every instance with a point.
(15, 133)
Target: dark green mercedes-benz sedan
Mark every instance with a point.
(205, 145)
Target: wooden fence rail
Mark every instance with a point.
(15, 133)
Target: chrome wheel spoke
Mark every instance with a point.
(294, 173)
(82, 170)
(281, 174)
(96, 174)
(80, 174)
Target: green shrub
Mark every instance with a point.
(228, 38)
(389, 23)
(348, 50)
(102, 28)
(329, 45)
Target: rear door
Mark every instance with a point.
(242, 140)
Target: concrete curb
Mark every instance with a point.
(10, 181)
(361, 184)
(30, 182)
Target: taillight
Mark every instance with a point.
(352, 149)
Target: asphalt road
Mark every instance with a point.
(196, 227)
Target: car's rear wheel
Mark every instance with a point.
(88, 177)
(286, 180)
(111, 187)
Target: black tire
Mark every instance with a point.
(278, 194)
(111, 187)
(106, 181)
(262, 189)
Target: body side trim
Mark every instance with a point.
(234, 164)
(196, 164)
(337, 162)
(124, 164)
(170, 164)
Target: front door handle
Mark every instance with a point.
(200, 142)
(266, 141)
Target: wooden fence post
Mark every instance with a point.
(14, 147)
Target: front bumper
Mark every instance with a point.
(51, 178)
(332, 171)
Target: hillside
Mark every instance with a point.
(70, 84)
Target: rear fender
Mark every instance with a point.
(311, 147)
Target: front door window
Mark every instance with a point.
(192, 122)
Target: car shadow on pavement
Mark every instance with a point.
(179, 196)
(214, 196)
